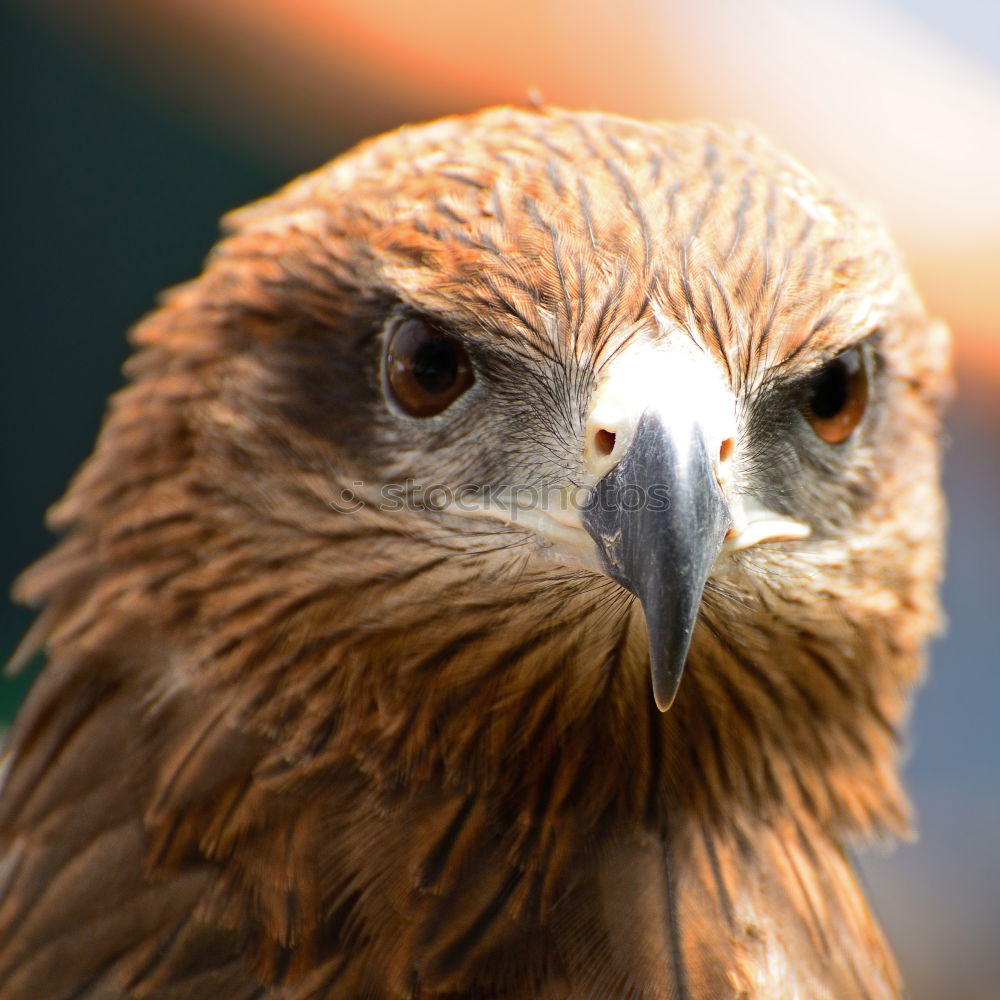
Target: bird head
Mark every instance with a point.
(455, 443)
(534, 404)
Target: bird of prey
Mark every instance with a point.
(365, 640)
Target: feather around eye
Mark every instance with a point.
(836, 397)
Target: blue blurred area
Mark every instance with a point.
(940, 897)
(972, 25)
(109, 196)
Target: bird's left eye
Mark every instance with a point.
(836, 397)
(426, 369)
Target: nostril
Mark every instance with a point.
(725, 451)
(604, 442)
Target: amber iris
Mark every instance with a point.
(837, 396)
(426, 369)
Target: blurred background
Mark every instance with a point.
(133, 124)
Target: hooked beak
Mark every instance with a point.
(659, 519)
(661, 444)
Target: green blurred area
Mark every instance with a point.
(91, 180)
(12, 692)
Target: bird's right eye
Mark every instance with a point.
(426, 369)
(837, 396)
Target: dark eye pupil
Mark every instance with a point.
(426, 370)
(836, 397)
(830, 390)
(435, 365)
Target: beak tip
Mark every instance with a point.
(664, 699)
(666, 674)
